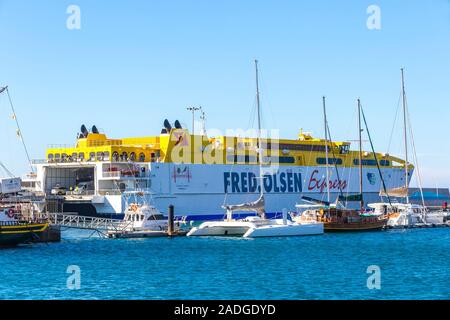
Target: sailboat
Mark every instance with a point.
(258, 225)
(403, 215)
(336, 217)
(141, 219)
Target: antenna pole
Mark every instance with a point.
(360, 156)
(193, 109)
(326, 147)
(405, 136)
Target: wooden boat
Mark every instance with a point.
(351, 220)
(14, 231)
(345, 220)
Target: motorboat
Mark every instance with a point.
(404, 215)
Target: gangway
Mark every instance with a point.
(102, 225)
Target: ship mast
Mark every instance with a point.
(326, 148)
(360, 157)
(405, 137)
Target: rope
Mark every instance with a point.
(19, 131)
(334, 161)
(419, 176)
(395, 122)
(375, 156)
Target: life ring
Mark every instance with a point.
(10, 213)
(134, 207)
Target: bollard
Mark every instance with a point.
(170, 217)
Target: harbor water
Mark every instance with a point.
(413, 263)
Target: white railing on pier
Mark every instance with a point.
(84, 222)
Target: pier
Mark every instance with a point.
(106, 227)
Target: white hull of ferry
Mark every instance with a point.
(199, 191)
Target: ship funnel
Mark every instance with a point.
(178, 125)
(167, 125)
(84, 131)
(94, 129)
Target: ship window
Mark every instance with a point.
(331, 161)
(115, 156)
(106, 156)
(239, 158)
(141, 157)
(132, 156)
(372, 162)
(303, 147)
(124, 156)
(156, 217)
(81, 155)
(365, 162)
(74, 156)
(345, 149)
(100, 156)
(50, 156)
(286, 160)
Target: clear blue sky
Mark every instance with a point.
(134, 63)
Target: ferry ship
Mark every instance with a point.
(196, 173)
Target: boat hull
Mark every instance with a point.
(355, 226)
(288, 230)
(221, 228)
(15, 234)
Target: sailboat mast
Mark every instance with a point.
(258, 102)
(326, 147)
(360, 156)
(258, 143)
(405, 137)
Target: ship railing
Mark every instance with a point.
(39, 161)
(60, 146)
(111, 174)
(119, 174)
(109, 192)
(81, 193)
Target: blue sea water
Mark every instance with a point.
(414, 264)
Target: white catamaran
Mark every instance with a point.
(259, 225)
